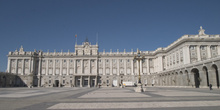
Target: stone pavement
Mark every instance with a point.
(155, 98)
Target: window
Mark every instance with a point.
(64, 60)
(115, 60)
(49, 81)
(100, 60)
(106, 60)
(192, 47)
(202, 47)
(63, 81)
(128, 60)
(121, 60)
(213, 47)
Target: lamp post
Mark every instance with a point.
(139, 57)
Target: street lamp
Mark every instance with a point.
(138, 58)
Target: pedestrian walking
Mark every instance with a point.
(210, 86)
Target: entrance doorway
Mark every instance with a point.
(56, 83)
(93, 83)
(196, 77)
(85, 84)
(115, 83)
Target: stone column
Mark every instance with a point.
(30, 65)
(125, 66)
(38, 80)
(89, 66)
(88, 81)
(74, 81)
(82, 66)
(9, 66)
(141, 68)
(218, 50)
(208, 52)
(148, 67)
(68, 66)
(60, 81)
(118, 68)
(61, 67)
(75, 66)
(47, 67)
(97, 66)
(132, 67)
(137, 63)
(110, 61)
(54, 66)
(104, 60)
(81, 81)
(39, 67)
(22, 72)
(16, 66)
(198, 53)
(96, 81)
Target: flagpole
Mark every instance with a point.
(76, 39)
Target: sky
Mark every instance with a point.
(118, 24)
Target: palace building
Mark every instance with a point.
(190, 61)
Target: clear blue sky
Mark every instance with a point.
(121, 24)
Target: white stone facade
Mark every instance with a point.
(192, 60)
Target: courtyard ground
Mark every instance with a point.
(155, 98)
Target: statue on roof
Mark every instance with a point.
(201, 31)
(21, 49)
(86, 39)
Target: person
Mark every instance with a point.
(210, 86)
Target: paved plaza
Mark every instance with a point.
(155, 98)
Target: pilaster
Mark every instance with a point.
(141, 67)
(104, 60)
(110, 61)
(30, 60)
(68, 66)
(218, 49)
(198, 52)
(32, 70)
(125, 66)
(132, 67)
(22, 72)
(47, 67)
(89, 66)
(208, 51)
(88, 81)
(61, 67)
(9, 66)
(54, 66)
(148, 67)
(75, 67)
(82, 66)
(118, 68)
(81, 78)
(39, 67)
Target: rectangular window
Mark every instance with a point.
(49, 81)
(63, 81)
